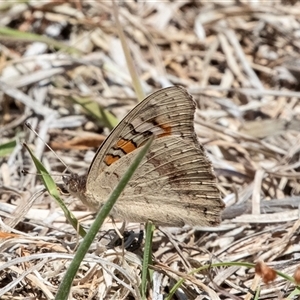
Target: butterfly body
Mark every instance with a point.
(174, 184)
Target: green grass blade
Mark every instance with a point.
(12, 34)
(95, 110)
(147, 259)
(7, 148)
(52, 189)
(294, 293)
(257, 293)
(66, 283)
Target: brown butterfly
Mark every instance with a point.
(174, 185)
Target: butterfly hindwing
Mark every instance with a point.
(167, 183)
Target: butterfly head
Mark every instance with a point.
(75, 184)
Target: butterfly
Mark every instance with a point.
(174, 184)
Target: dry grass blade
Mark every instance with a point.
(239, 60)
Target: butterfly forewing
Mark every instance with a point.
(166, 112)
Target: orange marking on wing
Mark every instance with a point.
(167, 130)
(126, 146)
(110, 159)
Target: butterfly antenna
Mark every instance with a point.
(28, 125)
(25, 172)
